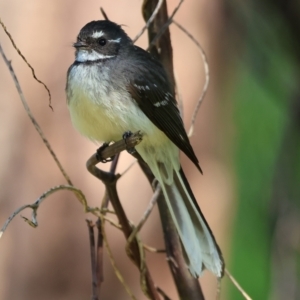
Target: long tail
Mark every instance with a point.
(200, 247)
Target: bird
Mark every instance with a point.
(114, 87)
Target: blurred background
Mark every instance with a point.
(246, 138)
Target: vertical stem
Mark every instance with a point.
(187, 286)
(93, 260)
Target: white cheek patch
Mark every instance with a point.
(85, 55)
(97, 34)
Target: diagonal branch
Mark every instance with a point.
(135, 248)
(31, 117)
(150, 20)
(188, 287)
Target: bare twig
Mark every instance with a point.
(112, 223)
(25, 60)
(203, 55)
(173, 261)
(113, 263)
(31, 117)
(16, 212)
(165, 297)
(236, 284)
(93, 259)
(154, 250)
(104, 14)
(206, 70)
(99, 258)
(145, 215)
(33, 222)
(107, 211)
(158, 6)
(166, 25)
(133, 236)
(113, 167)
(121, 145)
(128, 168)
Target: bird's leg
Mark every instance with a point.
(126, 135)
(99, 156)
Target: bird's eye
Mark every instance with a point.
(102, 42)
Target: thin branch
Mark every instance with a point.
(121, 145)
(145, 215)
(157, 8)
(99, 258)
(33, 222)
(236, 284)
(166, 25)
(165, 297)
(133, 236)
(112, 223)
(114, 150)
(154, 250)
(25, 60)
(128, 168)
(16, 212)
(93, 259)
(31, 117)
(104, 14)
(206, 70)
(107, 211)
(113, 167)
(80, 196)
(113, 263)
(114, 164)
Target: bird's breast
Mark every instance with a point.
(100, 109)
(104, 112)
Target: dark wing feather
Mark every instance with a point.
(152, 93)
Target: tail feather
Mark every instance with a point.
(199, 245)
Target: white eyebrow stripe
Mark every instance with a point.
(97, 34)
(115, 41)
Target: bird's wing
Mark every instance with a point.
(153, 95)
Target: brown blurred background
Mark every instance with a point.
(239, 133)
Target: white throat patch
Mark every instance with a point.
(85, 55)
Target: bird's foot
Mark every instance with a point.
(126, 135)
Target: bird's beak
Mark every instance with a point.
(80, 44)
